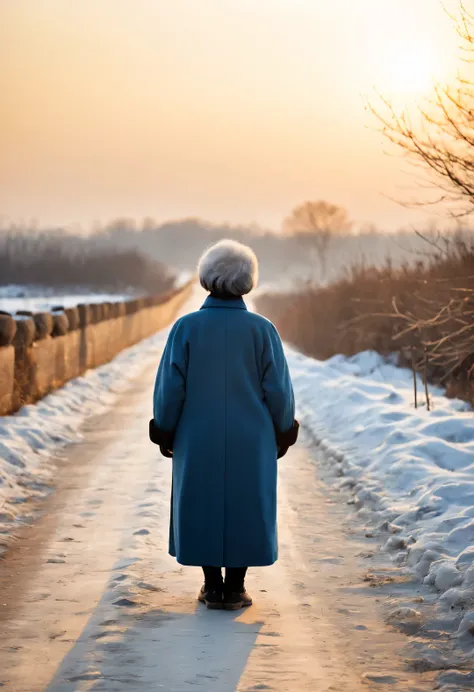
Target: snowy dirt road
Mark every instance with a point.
(90, 600)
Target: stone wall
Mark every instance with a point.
(40, 352)
(7, 369)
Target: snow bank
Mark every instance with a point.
(28, 439)
(411, 471)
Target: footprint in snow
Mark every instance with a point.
(334, 559)
(380, 678)
(125, 562)
(148, 587)
(125, 603)
(100, 635)
(116, 581)
(86, 676)
(141, 532)
(56, 635)
(40, 597)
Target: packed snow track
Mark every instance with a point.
(90, 600)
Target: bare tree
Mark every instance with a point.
(439, 137)
(315, 223)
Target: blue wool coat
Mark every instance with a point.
(222, 388)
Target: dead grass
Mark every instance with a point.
(425, 313)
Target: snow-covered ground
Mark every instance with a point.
(91, 599)
(411, 470)
(15, 297)
(30, 437)
(37, 299)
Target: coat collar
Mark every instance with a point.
(233, 303)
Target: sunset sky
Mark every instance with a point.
(230, 110)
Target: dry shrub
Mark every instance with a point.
(426, 310)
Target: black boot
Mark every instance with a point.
(212, 592)
(235, 600)
(235, 594)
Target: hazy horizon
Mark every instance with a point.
(227, 110)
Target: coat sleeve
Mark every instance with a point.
(278, 390)
(170, 388)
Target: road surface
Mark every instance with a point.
(90, 600)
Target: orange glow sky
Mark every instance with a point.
(231, 110)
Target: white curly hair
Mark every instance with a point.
(228, 268)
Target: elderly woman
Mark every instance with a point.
(224, 410)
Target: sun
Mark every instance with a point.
(409, 69)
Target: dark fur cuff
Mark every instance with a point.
(160, 437)
(288, 438)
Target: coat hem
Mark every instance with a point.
(185, 563)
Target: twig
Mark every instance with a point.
(425, 377)
(413, 367)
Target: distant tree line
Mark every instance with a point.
(317, 244)
(56, 259)
(294, 253)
